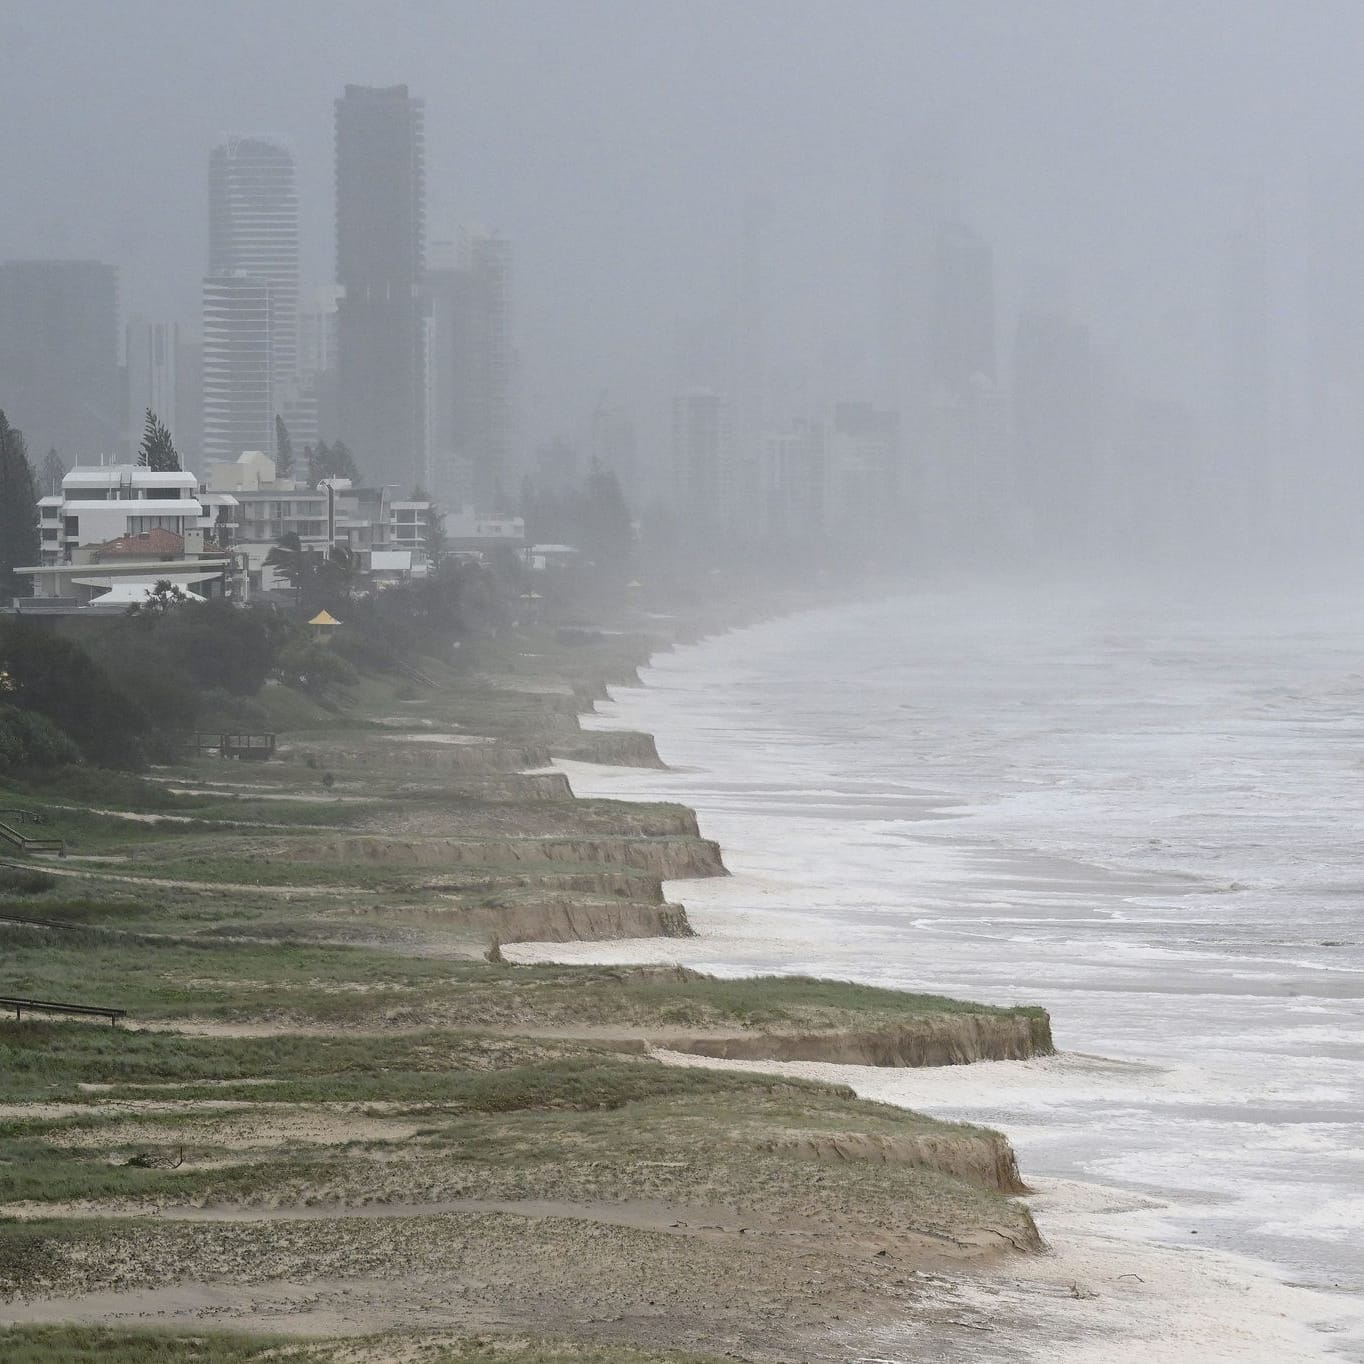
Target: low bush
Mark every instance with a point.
(21, 881)
(28, 739)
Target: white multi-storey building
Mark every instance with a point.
(253, 231)
(122, 528)
(335, 514)
(238, 365)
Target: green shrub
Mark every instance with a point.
(28, 739)
(21, 881)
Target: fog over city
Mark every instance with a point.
(681, 680)
(1099, 261)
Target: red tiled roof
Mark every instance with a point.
(150, 544)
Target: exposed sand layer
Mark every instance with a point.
(668, 859)
(935, 1040)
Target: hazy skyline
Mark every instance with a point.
(1109, 144)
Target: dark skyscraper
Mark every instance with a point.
(59, 356)
(472, 370)
(1056, 376)
(380, 260)
(962, 314)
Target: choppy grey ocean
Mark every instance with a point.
(1147, 816)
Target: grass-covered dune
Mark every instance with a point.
(338, 1126)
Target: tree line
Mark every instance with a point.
(127, 691)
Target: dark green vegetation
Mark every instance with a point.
(157, 451)
(18, 511)
(126, 691)
(97, 1345)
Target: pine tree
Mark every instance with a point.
(158, 451)
(607, 529)
(332, 461)
(344, 463)
(53, 471)
(284, 449)
(18, 511)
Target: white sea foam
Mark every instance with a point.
(1145, 819)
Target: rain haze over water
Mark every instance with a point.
(1064, 295)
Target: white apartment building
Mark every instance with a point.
(472, 531)
(365, 522)
(120, 526)
(409, 523)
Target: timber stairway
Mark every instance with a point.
(17, 839)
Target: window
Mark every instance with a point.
(140, 525)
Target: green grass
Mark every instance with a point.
(16, 881)
(208, 976)
(212, 977)
(461, 1072)
(557, 1117)
(90, 786)
(103, 1345)
(100, 1345)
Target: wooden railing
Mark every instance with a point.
(52, 1006)
(12, 836)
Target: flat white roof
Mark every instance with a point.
(126, 593)
(110, 475)
(143, 506)
(145, 568)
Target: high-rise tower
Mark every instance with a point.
(471, 371)
(238, 386)
(59, 356)
(380, 266)
(250, 295)
(253, 230)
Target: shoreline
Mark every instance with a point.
(867, 1233)
(1214, 1305)
(347, 1115)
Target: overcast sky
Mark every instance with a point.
(614, 142)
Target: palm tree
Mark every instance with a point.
(290, 560)
(335, 576)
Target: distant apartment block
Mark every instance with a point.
(253, 231)
(864, 495)
(471, 375)
(151, 361)
(59, 356)
(238, 366)
(702, 449)
(336, 514)
(380, 264)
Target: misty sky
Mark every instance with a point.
(615, 142)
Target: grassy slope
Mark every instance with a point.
(97, 1345)
(475, 1105)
